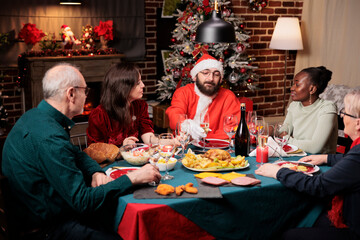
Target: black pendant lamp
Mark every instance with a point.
(215, 30)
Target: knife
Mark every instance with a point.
(306, 164)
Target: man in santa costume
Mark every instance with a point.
(68, 37)
(205, 95)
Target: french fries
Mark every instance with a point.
(192, 160)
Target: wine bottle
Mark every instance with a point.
(242, 136)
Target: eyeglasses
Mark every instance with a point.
(216, 74)
(342, 113)
(87, 89)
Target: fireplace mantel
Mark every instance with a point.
(93, 69)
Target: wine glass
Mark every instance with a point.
(281, 134)
(182, 135)
(259, 125)
(230, 125)
(205, 124)
(167, 149)
(250, 120)
(154, 152)
(262, 151)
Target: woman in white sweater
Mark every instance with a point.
(312, 120)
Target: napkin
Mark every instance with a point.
(275, 149)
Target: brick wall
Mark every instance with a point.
(11, 94)
(269, 100)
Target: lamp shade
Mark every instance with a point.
(215, 30)
(71, 2)
(287, 34)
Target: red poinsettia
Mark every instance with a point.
(31, 34)
(105, 29)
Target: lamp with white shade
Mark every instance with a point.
(286, 36)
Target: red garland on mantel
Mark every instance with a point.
(23, 61)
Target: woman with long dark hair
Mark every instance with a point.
(122, 117)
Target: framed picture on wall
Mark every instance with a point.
(169, 7)
(165, 55)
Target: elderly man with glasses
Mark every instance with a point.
(57, 191)
(205, 95)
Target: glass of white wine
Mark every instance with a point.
(205, 124)
(230, 125)
(167, 150)
(154, 153)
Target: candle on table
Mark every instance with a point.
(262, 153)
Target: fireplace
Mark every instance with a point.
(92, 101)
(93, 69)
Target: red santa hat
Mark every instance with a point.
(64, 26)
(206, 62)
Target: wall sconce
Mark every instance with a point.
(286, 36)
(215, 30)
(70, 2)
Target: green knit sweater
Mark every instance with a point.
(314, 128)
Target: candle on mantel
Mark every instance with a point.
(262, 153)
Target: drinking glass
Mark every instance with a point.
(205, 124)
(259, 125)
(154, 152)
(262, 151)
(281, 134)
(167, 150)
(250, 120)
(230, 125)
(182, 135)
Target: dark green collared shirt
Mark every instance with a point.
(49, 177)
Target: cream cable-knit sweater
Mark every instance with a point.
(314, 128)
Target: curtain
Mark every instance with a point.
(128, 17)
(331, 38)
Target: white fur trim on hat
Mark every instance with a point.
(206, 62)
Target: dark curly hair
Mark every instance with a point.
(319, 76)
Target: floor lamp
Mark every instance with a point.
(286, 36)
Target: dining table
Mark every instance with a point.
(262, 211)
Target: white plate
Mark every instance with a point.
(213, 143)
(310, 171)
(216, 170)
(121, 171)
(293, 148)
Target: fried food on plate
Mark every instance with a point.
(218, 154)
(179, 190)
(164, 189)
(213, 159)
(189, 188)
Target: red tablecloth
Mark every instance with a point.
(157, 221)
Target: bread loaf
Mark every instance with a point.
(102, 152)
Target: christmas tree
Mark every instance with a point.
(238, 71)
